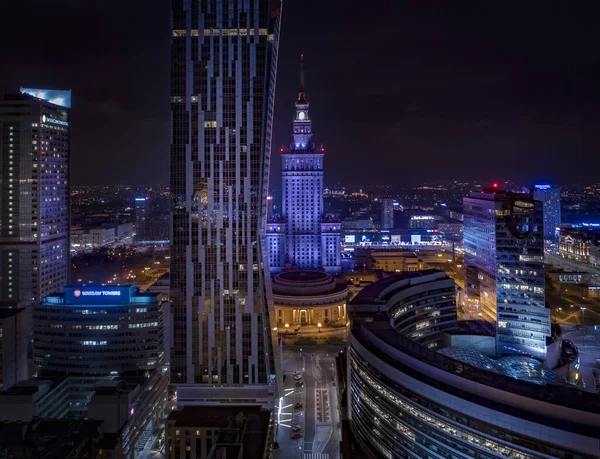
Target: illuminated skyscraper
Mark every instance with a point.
(304, 237)
(142, 210)
(224, 62)
(387, 214)
(504, 267)
(550, 197)
(35, 196)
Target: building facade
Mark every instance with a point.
(581, 245)
(142, 214)
(219, 432)
(387, 213)
(504, 268)
(13, 347)
(308, 298)
(550, 197)
(101, 331)
(408, 401)
(35, 195)
(312, 240)
(223, 68)
(420, 305)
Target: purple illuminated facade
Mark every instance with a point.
(302, 237)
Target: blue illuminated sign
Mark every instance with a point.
(54, 96)
(46, 119)
(140, 199)
(89, 295)
(542, 187)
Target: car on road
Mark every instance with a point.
(297, 435)
(297, 428)
(297, 406)
(299, 384)
(297, 377)
(297, 372)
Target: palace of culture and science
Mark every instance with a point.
(303, 237)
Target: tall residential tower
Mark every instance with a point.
(303, 238)
(504, 267)
(223, 67)
(35, 196)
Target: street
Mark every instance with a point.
(318, 417)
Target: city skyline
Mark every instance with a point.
(458, 89)
(421, 278)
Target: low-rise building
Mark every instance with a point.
(205, 432)
(51, 439)
(13, 346)
(581, 245)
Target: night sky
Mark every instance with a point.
(401, 92)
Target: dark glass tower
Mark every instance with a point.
(224, 62)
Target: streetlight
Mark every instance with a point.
(286, 328)
(319, 325)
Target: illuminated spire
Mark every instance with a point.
(301, 94)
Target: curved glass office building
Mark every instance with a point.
(410, 400)
(98, 331)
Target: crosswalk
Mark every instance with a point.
(316, 456)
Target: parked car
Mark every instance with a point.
(297, 377)
(297, 372)
(297, 435)
(297, 406)
(297, 428)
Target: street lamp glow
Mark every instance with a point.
(319, 325)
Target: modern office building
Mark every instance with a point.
(223, 68)
(387, 213)
(100, 331)
(303, 237)
(13, 347)
(550, 197)
(420, 305)
(504, 268)
(142, 214)
(411, 396)
(35, 195)
(100, 354)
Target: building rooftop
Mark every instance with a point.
(371, 294)
(9, 312)
(307, 283)
(518, 375)
(246, 427)
(50, 438)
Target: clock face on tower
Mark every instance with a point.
(301, 115)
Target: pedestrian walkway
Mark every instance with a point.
(316, 456)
